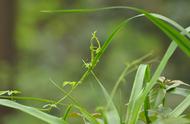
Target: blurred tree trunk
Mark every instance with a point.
(7, 47)
(7, 40)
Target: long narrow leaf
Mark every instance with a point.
(115, 119)
(162, 65)
(181, 107)
(140, 100)
(170, 31)
(153, 80)
(152, 17)
(137, 88)
(66, 114)
(32, 111)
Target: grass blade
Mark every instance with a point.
(162, 65)
(32, 111)
(181, 40)
(181, 107)
(126, 71)
(138, 105)
(140, 100)
(137, 88)
(170, 31)
(67, 112)
(170, 28)
(114, 119)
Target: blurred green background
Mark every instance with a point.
(36, 47)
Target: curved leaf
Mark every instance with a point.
(32, 111)
(170, 31)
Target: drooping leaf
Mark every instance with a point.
(32, 111)
(170, 31)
